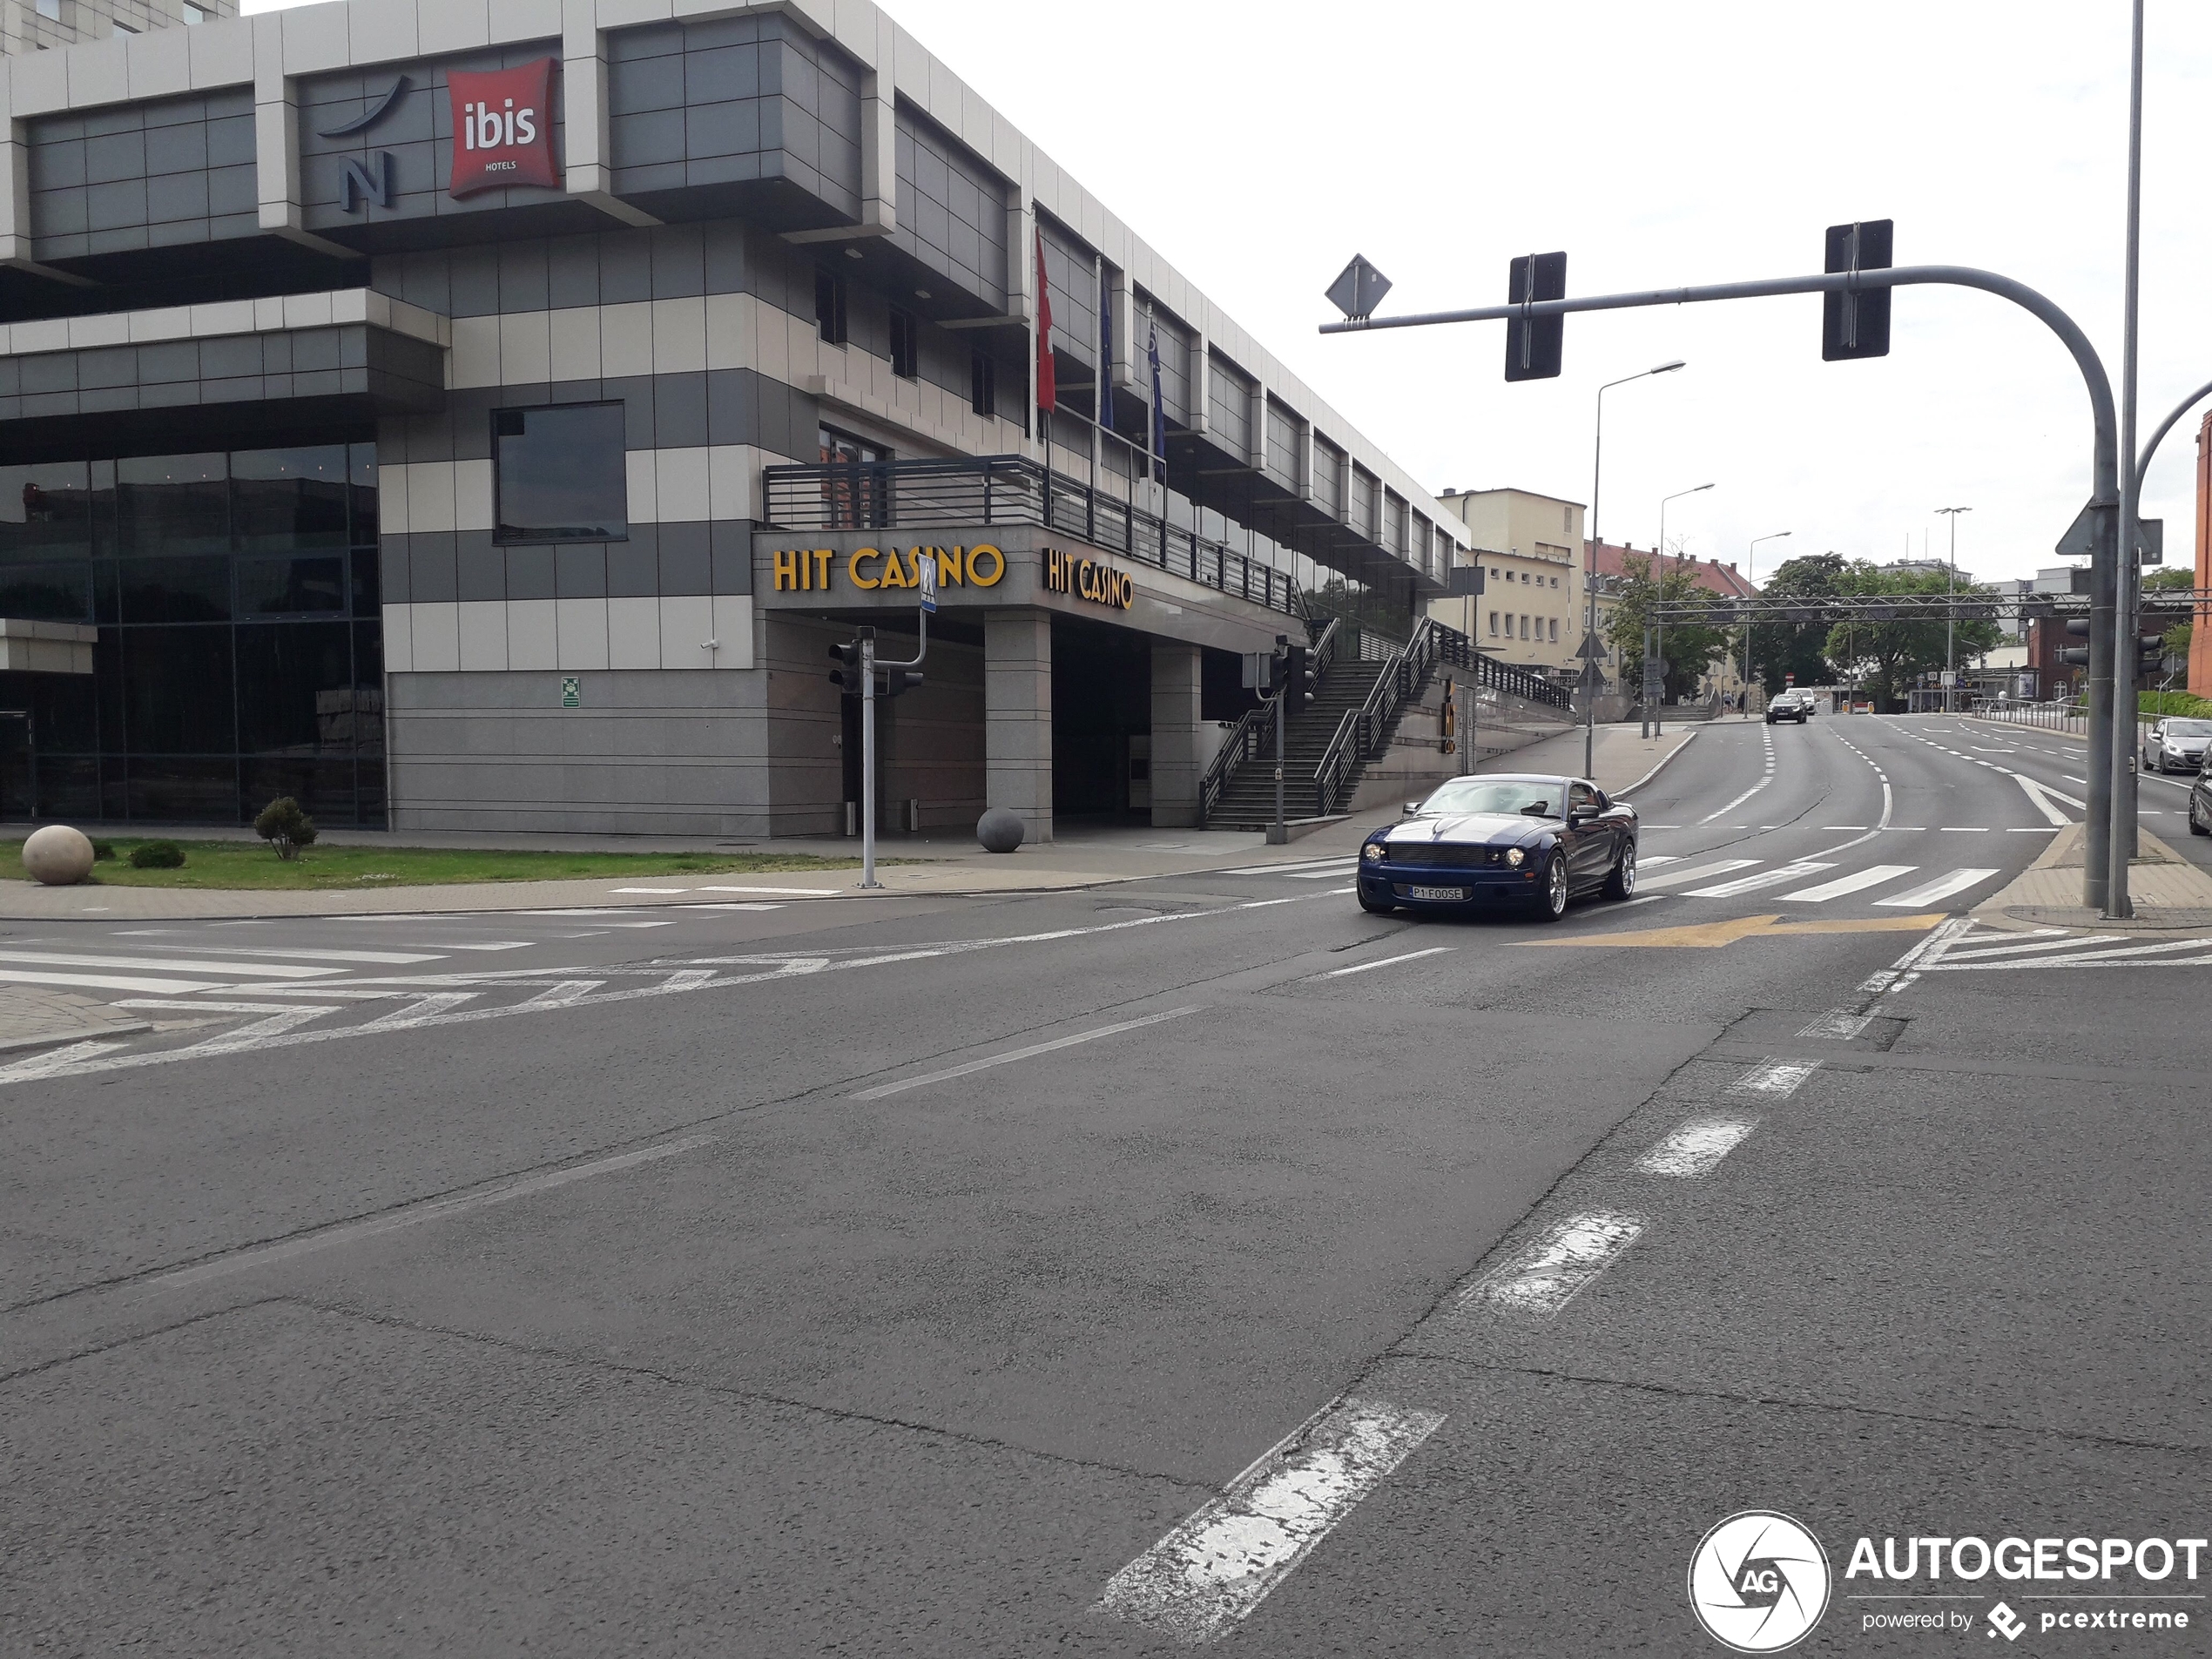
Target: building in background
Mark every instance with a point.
(1532, 611)
(1609, 563)
(487, 416)
(41, 25)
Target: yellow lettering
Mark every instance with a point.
(894, 570)
(853, 573)
(976, 556)
(822, 557)
(787, 571)
(949, 566)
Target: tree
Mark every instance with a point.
(1781, 649)
(1689, 649)
(285, 826)
(2176, 579)
(1885, 657)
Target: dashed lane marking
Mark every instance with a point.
(884, 1090)
(1693, 1149)
(1937, 890)
(1545, 1277)
(1388, 962)
(1775, 1079)
(1211, 1571)
(1839, 1025)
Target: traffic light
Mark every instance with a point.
(1533, 344)
(2076, 656)
(1856, 325)
(2150, 656)
(899, 680)
(1299, 677)
(846, 676)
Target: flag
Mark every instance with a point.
(1047, 388)
(1105, 350)
(1159, 410)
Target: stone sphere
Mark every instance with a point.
(999, 831)
(59, 856)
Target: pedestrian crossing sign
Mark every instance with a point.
(572, 691)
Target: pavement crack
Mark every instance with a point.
(97, 1349)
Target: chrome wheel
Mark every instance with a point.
(1622, 884)
(1551, 905)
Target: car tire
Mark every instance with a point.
(1622, 884)
(1551, 899)
(1376, 906)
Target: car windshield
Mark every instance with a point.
(1537, 797)
(2189, 728)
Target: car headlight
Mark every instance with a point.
(1372, 852)
(1516, 857)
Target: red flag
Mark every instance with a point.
(1048, 386)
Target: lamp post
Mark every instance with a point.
(1951, 623)
(1589, 574)
(1751, 574)
(1656, 634)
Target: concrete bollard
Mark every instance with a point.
(57, 856)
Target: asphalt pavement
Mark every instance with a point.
(1193, 1260)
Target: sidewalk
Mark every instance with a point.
(946, 867)
(2170, 894)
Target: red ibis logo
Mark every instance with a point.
(502, 128)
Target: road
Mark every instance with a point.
(1102, 1271)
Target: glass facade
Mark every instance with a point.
(240, 652)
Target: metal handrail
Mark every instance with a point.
(1014, 489)
(1248, 732)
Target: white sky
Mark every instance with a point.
(1258, 144)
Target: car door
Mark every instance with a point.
(1590, 841)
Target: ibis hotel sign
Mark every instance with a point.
(502, 128)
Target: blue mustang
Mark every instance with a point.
(1526, 840)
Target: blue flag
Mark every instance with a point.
(1159, 412)
(1106, 351)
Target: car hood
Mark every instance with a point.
(1475, 829)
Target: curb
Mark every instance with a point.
(1687, 738)
(15, 1045)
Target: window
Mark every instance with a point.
(829, 306)
(1493, 624)
(983, 384)
(1555, 630)
(906, 349)
(560, 474)
(194, 14)
(51, 9)
(1554, 581)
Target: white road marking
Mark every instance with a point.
(1964, 829)
(1288, 865)
(1840, 1024)
(1942, 887)
(1773, 877)
(1388, 962)
(2049, 938)
(55, 1061)
(105, 981)
(1904, 970)
(1320, 875)
(658, 893)
(2126, 956)
(1547, 1277)
(303, 955)
(1719, 866)
(420, 1011)
(159, 965)
(565, 993)
(349, 1232)
(1696, 1148)
(1842, 826)
(2036, 794)
(1776, 1079)
(1221, 1563)
(882, 1091)
(783, 893)
(1872, 876)
(1650, 859)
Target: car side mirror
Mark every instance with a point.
(1582, 815)
(1413, 809)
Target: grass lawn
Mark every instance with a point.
(255, 865)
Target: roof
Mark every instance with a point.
(1711, 575)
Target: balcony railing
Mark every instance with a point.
(1012, 490)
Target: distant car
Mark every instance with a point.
(2176, 744)
(1529, 840)
(2200, 802)
(1789, 705)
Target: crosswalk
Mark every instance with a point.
(197, 968)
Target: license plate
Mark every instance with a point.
(1436, 892)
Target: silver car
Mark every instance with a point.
(2176, 744)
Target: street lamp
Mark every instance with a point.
(1656, 634)
(1951, 623)
(1590, 575)
(1752, 575)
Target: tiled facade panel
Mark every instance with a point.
(1229, 406)
(439, 567)
(1073, 275)
(353, 360)
(138, 176)
(416, 132)
(1393, 535)
(1328, 477)
(1361, 509)
(713, 408)
(733, 102)
(1285, 442)
(951, 210)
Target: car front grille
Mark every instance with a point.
(1444, 855)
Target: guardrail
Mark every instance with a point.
(2045, 716)
(1013, 489)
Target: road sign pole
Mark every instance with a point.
(2128, 567)
(867, 760)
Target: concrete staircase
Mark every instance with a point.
(1247, 799)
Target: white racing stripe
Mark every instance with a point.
(882, 1091)
(1388, 962)
(1773, 877)
(1942, 887)
(1695, 1148)
(1546, 1278)
(1212, 1570)
(1872, 876)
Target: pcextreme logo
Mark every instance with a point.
(1758, 1581)
(502, 127)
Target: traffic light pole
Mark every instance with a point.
(2127, 571)
(868, 667)
(2099, 886)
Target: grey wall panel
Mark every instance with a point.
(132, 177)
(1070, 269)
(1229, 406)
(951, 209)
(1286, 441)
(671, 560)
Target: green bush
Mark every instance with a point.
(103, 850)
(157, 855)
(284, 827)
(2181, 703)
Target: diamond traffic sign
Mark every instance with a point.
(1359, 289)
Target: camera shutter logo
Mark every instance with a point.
(502, 128)
(1758, 1581)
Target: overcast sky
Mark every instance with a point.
(1258, 144)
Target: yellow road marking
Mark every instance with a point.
(1711, 935)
